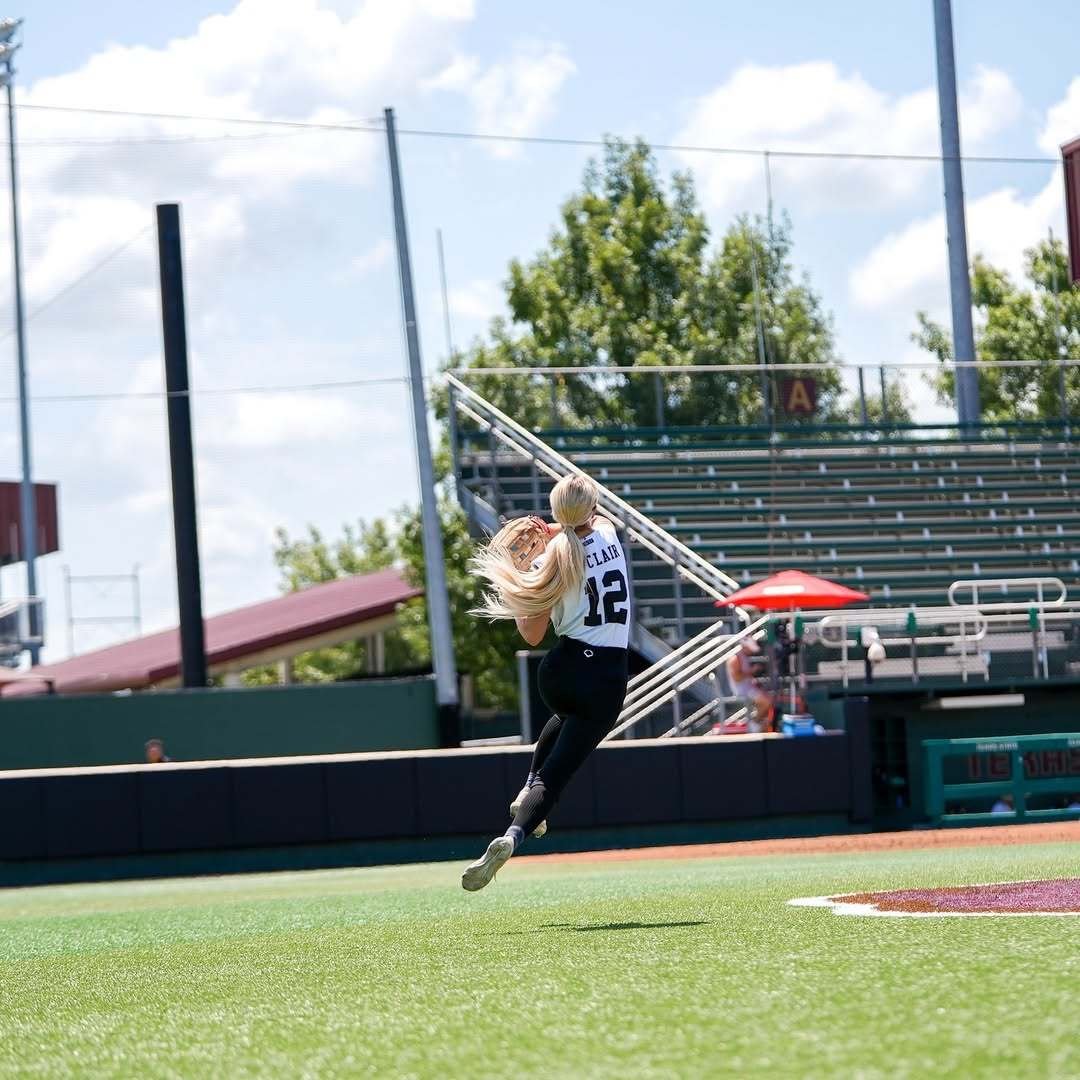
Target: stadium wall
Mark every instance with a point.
(220, 817)
(49, 732)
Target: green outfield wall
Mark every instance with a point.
(198, 725)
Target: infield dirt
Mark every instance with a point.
(913, 840)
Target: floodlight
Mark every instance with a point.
(8, 28)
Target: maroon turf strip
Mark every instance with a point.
(1062, 894)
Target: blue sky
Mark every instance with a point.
(288, 236)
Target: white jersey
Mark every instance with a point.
(600, 613)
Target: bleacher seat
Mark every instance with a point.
(899, 518)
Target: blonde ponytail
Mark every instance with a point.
(518, 594)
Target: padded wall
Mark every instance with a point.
(216, 805)
(49, 732)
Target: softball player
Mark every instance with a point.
(572, 574)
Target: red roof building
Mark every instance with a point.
(270, 632)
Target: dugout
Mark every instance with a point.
(897, 722)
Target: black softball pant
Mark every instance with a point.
(584, 686)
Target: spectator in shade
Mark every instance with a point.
(155, 752)
(743, 685)
(1004, 805)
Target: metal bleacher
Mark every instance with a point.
(898, 519)
(898, 515)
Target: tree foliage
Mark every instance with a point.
(482, 651)
(1036, 320)
(628, 278)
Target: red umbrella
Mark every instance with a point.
(792, 589)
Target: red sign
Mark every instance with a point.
(1070, 158)
(799, 395)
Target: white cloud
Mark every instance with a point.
(375, 258)
(87, 186)
(265, 225)
(259, 422)
(908, 269)
(479, 301)
(814, 106)
(1062, 120)
(511, 97)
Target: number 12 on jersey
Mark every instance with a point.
(614, 594)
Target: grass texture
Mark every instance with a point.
(640, 969)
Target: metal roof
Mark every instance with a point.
(285, 623)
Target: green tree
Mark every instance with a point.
(483, 650)
(627, 279)
(897, 408)
(486, 652)
(311, 560)
(1038, 320)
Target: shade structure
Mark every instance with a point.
(793, 589)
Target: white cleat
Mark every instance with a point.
(483, 871)
(516, 805)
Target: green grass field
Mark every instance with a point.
(639, 969)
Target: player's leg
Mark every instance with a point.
(553, 677)
(577, 740)
(596, 682)
(589, 697)
(544, 744)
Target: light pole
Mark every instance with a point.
(8, 48)
(967, 378)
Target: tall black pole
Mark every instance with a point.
(181, 449)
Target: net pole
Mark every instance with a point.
(438, 601)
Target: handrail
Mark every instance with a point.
(696, 664)
(697, 660)
(634, 534)
(688, 722)
(541, 452)
(976, 584)
(668, 658)
(899, 617)
(753, 369)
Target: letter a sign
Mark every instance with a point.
(799, 395)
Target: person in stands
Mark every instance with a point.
(745, 686)
(155, 752)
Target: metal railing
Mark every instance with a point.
(708, 652)
(21, 624)
(687, 563)
(886, 618)
(1038, 585)
(975, 624)
(870, 395)
(697, 660)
